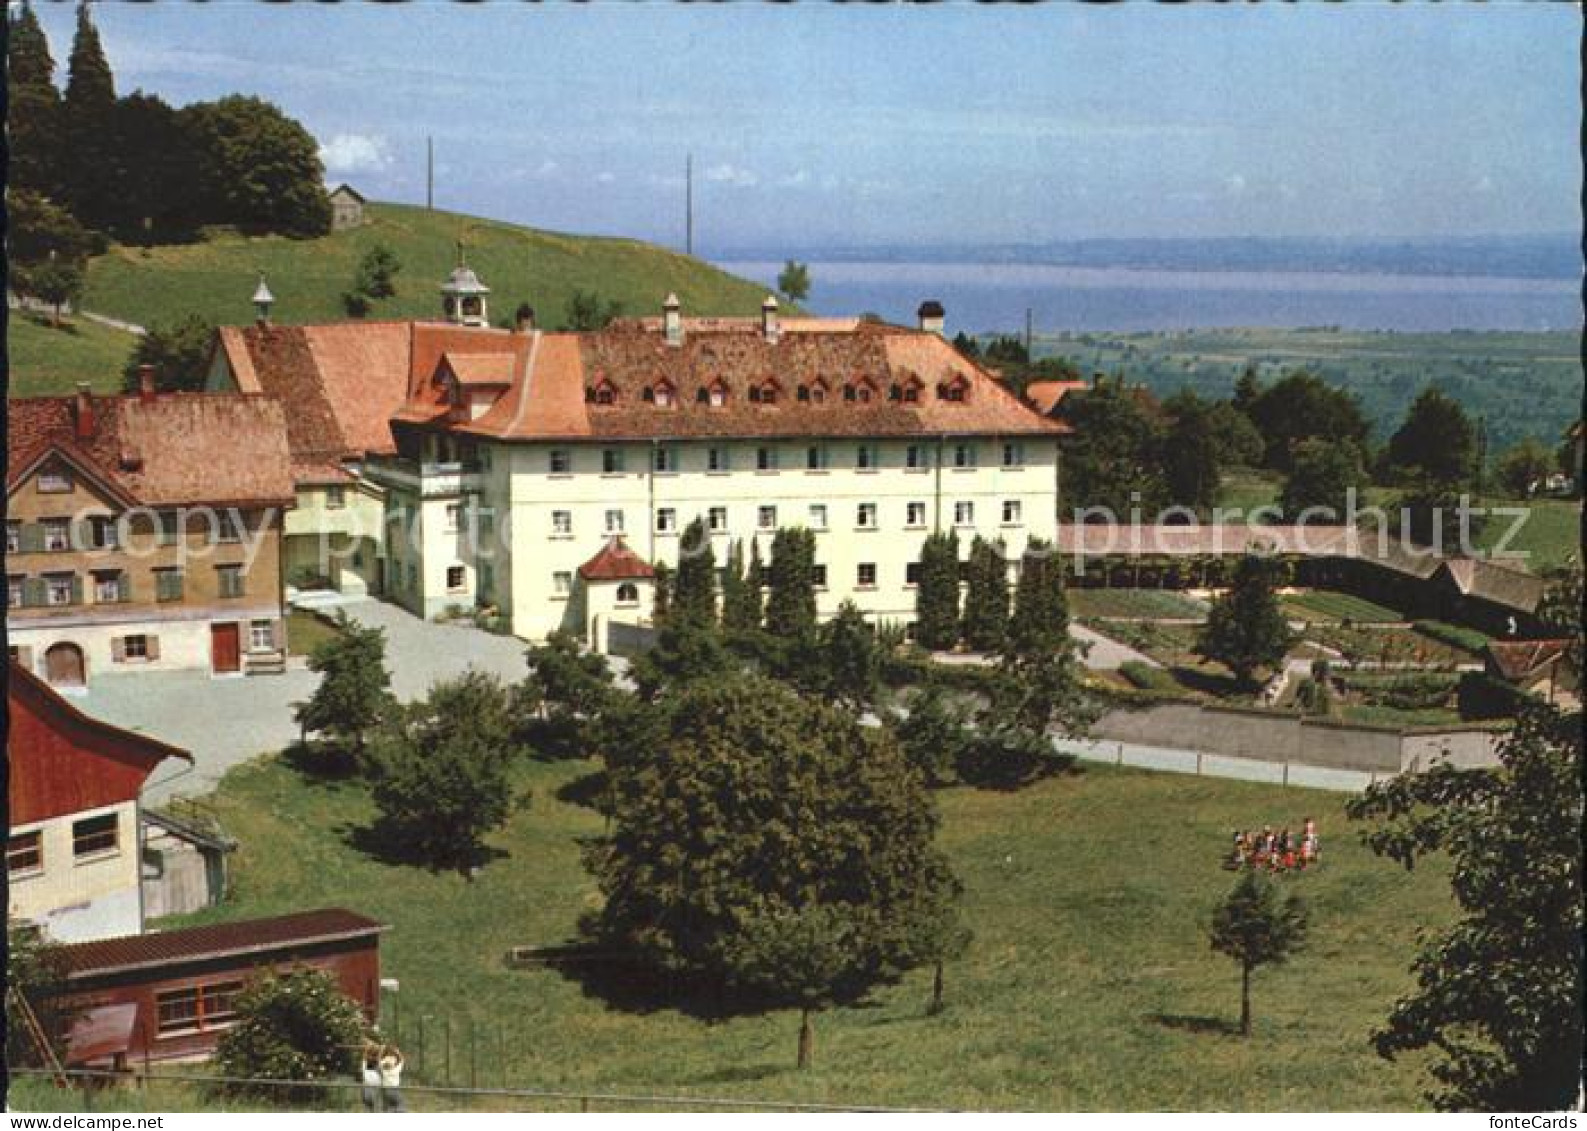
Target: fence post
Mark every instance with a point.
(421, 1043)
(1286, 771)
(473, 1050)
(446, 1031)
(1119, 761)
(1198, 763)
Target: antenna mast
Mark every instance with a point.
(688, 205)
(429, 174)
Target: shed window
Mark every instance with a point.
(197, 1008)
(25, 854)
(93, 836)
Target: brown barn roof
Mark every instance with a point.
(216, 940)
(1515, 660)
(211, 448)
(616, 562)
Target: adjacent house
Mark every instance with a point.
(145, 531)
(1537, 667)
(347, 208)
(169, 996)
(75, 843)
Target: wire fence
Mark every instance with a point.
(106, 1090)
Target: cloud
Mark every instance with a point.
(604, 178)
(548, 168)
(795, 180)
(732, 175)
(355, 153)
(1235, 184)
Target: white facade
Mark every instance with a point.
(871, 504)
(180, 640)
(81, 888)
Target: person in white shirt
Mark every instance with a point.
(391, 1078)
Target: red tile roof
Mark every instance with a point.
(197, 448)
(616, 562)
(216, 940)
(1045, 395)
(1515, 660)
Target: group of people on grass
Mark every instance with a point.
(1275, 851)
(381, 1075)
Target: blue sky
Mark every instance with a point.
(819, 124)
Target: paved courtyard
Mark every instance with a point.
(229, 720)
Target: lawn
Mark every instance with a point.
(1090, 983)
(1135, 604)
(305, 630)
(215, 278)
(46, 361)
(1325, 605)
(1550, 532)
(1246, 489)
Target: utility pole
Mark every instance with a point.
(429, 174)
(688, 205)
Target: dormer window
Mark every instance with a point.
(861, 391)
(955, 390)
(662, 394)
(605, 393)
(909, 392)
(815, 393)
(764, 393)
(715, 395)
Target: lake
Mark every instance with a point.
(987, 297)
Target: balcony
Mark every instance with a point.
(428, 478)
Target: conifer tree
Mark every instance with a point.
(986, 597)
(90, 162)
(791, 596)
(694, 589)
(740, 592)
(1253, 927)
(937, 595)
(1245, 628)
(35, 106)
(850, 667)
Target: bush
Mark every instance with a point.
(1481, 696)
(292, 1026)
(1147, 678)
(1466, 639)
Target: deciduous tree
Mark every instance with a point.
(262, 169)
(1437, 441)
(179, 352)
(850, 662)
(291, 1025)
(1321, 476)
(1245, 629)
(794, 281)
(354, 692)
(1525, 468)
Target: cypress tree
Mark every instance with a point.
(91, 165)
(661, 594)
(986, 599)
(741, 592)
(694, 592)
(937, 595)
(791, 600)
(35, 106)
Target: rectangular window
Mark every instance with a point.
(168, 584)
(818, 576)
(1011, 512)
(110, 587)
(14, 590)
(197, 1008)
(25, 854)
(454, 578)
(666, 459)
(562, 583)
(865, 516)
(716, 518)
(335, 498)
(1013, 455)
(561, 463)
(13, 537)
(964, 455)
(135, 647)
(454, 517)
(102, 533)
(225, 528)
(915, 456)
(55, 481)
(964, 514)
(912, 573)
(816, 457)
(865, 457)
(614, 522)
(766, 518)
(666, 521)
(561, 523)
(611, 461)
(915, 515)
(170, 525)
(717, 459)
(818, 516)
(95, 836)
(229, 580)
(262, 635)
(865, 575)
(59, 588)
(57, 534)
(765, 459)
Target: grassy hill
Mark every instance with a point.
(216, 278)
(46, 360)
(1523, 383)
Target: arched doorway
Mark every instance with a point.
(63, 665)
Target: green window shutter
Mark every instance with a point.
(77, 589)
(32, 538)
(124, 587)
(33, 592)
(152, 647)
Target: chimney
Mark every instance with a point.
(83, 412)
(525, 320)
(672, 320)
(146, 391)
(769, 325)
(931, 316)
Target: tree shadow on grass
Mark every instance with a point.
(321, 763)
(388, 843)
(589, 791)
(1223, 686)
(1192, 1024)
(994, 765)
